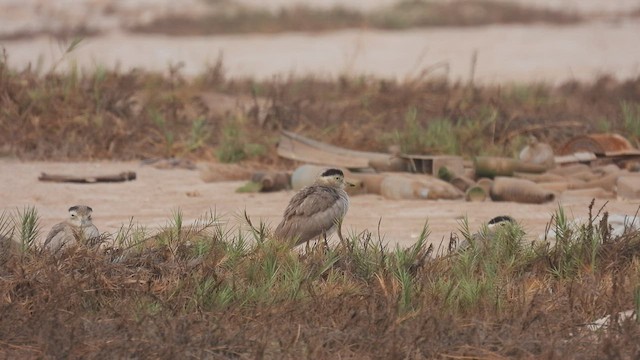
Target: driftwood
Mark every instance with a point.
(121, 177)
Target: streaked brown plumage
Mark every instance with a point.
(315, 210)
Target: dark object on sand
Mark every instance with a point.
(272, 181)
(121, 177)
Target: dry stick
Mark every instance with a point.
(121, 177)
(472, 69)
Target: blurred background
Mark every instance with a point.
(486, 41)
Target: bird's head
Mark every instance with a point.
(500, 221)
(80, 215)
(333, 178)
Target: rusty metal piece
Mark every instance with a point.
(599, 144)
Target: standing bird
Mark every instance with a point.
(315, 210)
(78, 228)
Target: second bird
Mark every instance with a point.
(77, 229)
(315, 210)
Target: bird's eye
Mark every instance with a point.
(73, 215)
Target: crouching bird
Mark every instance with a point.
(316, 210)
(78, 228)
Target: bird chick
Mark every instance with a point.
(77, 229)
(315, 210)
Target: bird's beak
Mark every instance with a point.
(350, 184)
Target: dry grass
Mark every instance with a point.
(215, 291)
(109, 115)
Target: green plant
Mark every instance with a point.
(234, 145)
(28, 224)
(198, 135)
(631, 120)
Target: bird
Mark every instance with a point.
(492, 227)
(77, 229)
(315, 210)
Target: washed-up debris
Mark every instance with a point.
(599, 148)
(266, 181)
(121, 177)
(272, 181)
(488, 166)
(170, 163)
(299, 148)
(519, 190)
(415, 186)
(597, 167)
(462, 182)
(600, 145)
(628, 186)
(475, 194)
(605, 322)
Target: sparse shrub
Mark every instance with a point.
(234, 144)
(631, 121)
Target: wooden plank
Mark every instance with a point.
(299, 148)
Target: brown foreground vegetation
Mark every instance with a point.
(210, 292)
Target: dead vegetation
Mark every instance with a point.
(223, 290)
(136, 115)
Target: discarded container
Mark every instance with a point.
(498, 166)
(402, 188)
(462, 182)
(371, 182)
(272, 181)
(600, 144)
(486, 184)
(555, 186)
(414, 186)
(475, 194)
(607, 182)
(597, 193)
(389, 164)
(570, 169)
(438, 189)
(540, 178)
(305, 175)
(629, 186)
(519, 190)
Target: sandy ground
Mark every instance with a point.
(505, 53)
(151, 198)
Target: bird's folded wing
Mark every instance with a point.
(311, 201)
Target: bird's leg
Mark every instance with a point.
(326, 242)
